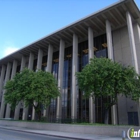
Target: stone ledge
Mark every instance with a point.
(73, 128)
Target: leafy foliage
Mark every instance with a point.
(135, 95)
(106, 78)
(34, 88)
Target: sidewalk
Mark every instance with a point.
(63, 134)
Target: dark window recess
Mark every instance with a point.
(35, 65)
(20, 113)
(133, 118)
(4, 111)
(44, 63)
(10, 73)
(66, 95)
(12, 113)
(4, 75)
(18, 68)
(82, 103)
(30, 113)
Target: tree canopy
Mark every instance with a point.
(34, 88)
(106, 78)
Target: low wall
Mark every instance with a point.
(86, 129)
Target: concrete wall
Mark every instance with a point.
(122, 54)
(84, 129)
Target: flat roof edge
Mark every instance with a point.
(69, 25)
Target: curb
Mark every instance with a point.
(46, 134)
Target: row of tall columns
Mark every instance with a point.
(7, 77)
(17, 109)
(74, 80)
(14, 67)
(74, 70)
(60, 74)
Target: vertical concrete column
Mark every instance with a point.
(90, 43)
(109, 40)
(14, 69)
(2, 79)
(7, 77)
(60, 79)
(39, 59)
(133, 50)
(111, 56)
(23, 63)
(30, 66)
(17, 109)
(49, 59)
(137, 33)
(39, 65)
(74, 80)
(132, 42)
(91, 55)
(49, 67)
(31, 61)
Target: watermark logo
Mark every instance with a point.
(133, 134)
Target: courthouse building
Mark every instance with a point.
(112, 32)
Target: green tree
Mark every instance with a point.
(108, 79)
(34, 88)
(135, 94)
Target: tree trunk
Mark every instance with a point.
(38, 112)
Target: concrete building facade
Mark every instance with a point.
(113, 32)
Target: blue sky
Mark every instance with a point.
(25, 21)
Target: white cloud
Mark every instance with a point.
(9, 50)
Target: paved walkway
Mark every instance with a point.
(77, 136)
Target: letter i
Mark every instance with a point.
(132, 133)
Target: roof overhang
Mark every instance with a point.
(115, 13)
